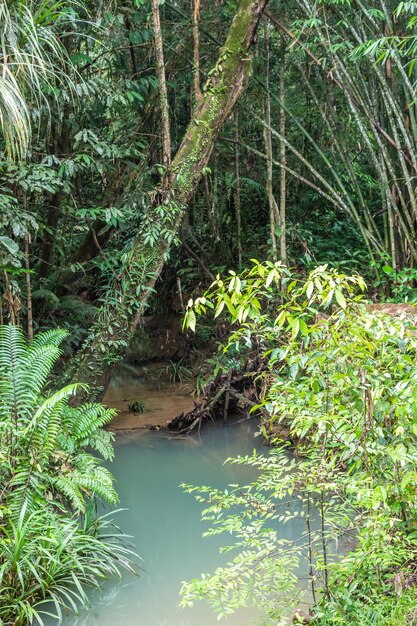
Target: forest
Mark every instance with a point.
(209, 206)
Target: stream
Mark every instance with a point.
(163, 522)
(165, 525)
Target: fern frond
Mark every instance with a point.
(25, 490)
(79, 307)
(47, 479)
(24, 370)
(70, 490)
(12, 352)
(99, 483)
(48, 296)
(45, 435)
(84, 421)
(58, 396)
(33, 373)
(49, 338)
(102, 442)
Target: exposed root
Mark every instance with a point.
(229, 393)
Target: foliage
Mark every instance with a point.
(89, 184)
(81, 186)
(244, 296)
(177, 372)
(398, 285)
(344, 386)
(51, 541)
(199, 385)
(34, 63)
(138, 406)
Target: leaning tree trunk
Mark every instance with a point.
(126, 301)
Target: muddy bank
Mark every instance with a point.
(396, 309)
(158, 398)
(156, 381)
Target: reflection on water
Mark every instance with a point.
(166, 527)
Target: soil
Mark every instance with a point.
(161, 399)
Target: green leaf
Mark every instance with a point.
(341, 300)
(191, 319)
(10, 245)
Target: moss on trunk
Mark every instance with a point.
(120, 314)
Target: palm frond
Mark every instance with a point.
(33, 62)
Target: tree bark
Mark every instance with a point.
(126, 301)
(163, 92)
(282, 158)
(269, 152)
(28, 289)
(49, 234)
(237, 194)
(196, 36)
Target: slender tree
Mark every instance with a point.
(163, 92)
(282, 157)
(269, 151)
(122, 311)
(238, 207)
(196, 36)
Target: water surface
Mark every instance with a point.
(165, 525)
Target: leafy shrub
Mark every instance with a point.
(344, 386)
(51, 544)
(400, 285)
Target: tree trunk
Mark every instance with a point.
(49, 234)
(196, 36)
(282, 158)
(163, 93)
(28, 289)
(237, 194)
(269, 152)
(125, 303)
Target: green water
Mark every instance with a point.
(165, 525)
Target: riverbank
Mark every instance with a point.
(148, 376)
(158, 398)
